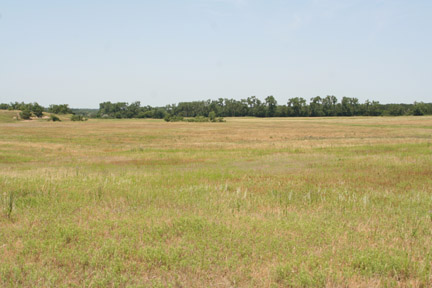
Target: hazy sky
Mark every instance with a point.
(161, 52)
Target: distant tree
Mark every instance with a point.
(60, 109)
(255, 107)
(37, 109)
(329, 105)
(395, 110)
(132, 110)
(281, 111)
(297, 107)
(349, 107)
(372, 108)
(159, 113)
(18, 106)
(316, 107)
(419, 109)
(252, 106)
(271, 105)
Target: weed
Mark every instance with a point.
(8, 203)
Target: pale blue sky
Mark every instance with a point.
(161, 52)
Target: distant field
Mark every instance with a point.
(292, 202)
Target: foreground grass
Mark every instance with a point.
(251, 202)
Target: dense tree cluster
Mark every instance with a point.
(28, 109)
(223, 107)
(34, 109)
(60, 109)
(252, 106)
(125, 110)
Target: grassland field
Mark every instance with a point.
(292, 202)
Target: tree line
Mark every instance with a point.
(253, 106)
(223, 107)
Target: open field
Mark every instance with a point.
(251, 202)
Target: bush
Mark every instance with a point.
(78, 118)
(173, 118)
(198, 119)
(25, 114)
(54, 118)
(176, 118)
(212, 116)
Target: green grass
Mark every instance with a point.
(7, 116)
(246, 203)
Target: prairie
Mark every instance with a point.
(274, 202)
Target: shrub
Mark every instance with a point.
(25, 114)
(8, 200)
(78, 118)
(177, 118)
(212, 116)
(198, 119)
(173, 118)
(54, 118)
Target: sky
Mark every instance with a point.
(160, 52)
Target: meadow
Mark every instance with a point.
(273, 202)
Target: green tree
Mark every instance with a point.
(271, 105)
(297, 107)
(316, 107)
(419, 109)
(349, 106)
(395, 110)
(37, 109)
(372, 108)
(60, 109)
(329, 105)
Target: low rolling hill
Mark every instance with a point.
(7, 116)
